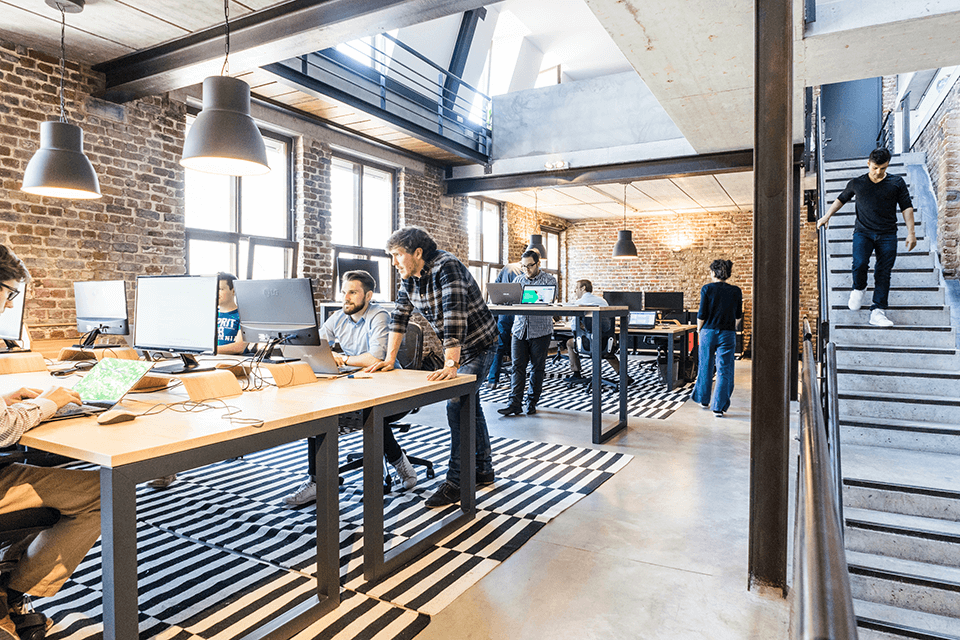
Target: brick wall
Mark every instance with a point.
(940, 141)
(889, 95)
(312, 225)
(136, 228)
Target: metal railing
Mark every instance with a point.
(886, 137)
(824, 605)
(823, 286)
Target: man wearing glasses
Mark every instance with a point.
(531, 339)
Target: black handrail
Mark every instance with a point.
(823, 284)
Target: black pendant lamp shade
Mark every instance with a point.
(59, 169)
(536, 242)
(624, 249)
(224, 139)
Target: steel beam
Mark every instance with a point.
(461, 50)
(276, 33)
(773, 204)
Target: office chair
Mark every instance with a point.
(608, 346)
(410, 356)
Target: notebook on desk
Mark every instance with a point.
(104, 386)
(319, 357)
(642, 319)
(542, 294)
(504, 292)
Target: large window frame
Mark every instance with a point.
(551, 242)
(484, 271)
(243, 244)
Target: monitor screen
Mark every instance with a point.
(101, 305)
(358, 264)
(277, 310)
(11, 320)
(538, 294)
(663, 300)
(176, 314)
(632, 299)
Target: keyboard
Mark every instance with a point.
(74, 410)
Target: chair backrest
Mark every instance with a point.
(410, 355)
(607, 332)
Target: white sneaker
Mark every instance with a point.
(408, 475)
(856, 299)
(307, 492)
(878, 318)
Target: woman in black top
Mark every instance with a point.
(721, 304)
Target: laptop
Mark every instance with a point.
(642, 319)
(538, 294)
(319, 357)
(104, 386)
(504, 292)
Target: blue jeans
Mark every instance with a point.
(526, 351)
(716, 350)
(477, 366)
(504, 326)
(865, 243)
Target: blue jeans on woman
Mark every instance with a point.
(885, 245)
(476, 366)
(716, 352)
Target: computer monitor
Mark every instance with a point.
(11, 323)
(632, 299)
(101, 309)
(277, 312)
(177, 314)
(668, 301)
(358, 264)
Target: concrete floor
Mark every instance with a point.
(657, 552)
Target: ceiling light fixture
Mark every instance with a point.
(224, 139)
(624, 249)
(59, 169)
(536, 239)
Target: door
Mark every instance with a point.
(852, 117)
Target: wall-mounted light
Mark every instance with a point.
(624, 249)
(59, 169)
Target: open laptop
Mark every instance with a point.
(104, 386)
(538, 294)
(642, 319)
(319, 357)
(504, 292)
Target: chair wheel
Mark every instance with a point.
(430, 473)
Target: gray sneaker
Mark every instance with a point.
(408, 475)
(306, 492)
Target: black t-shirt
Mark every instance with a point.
(720, 306)
(877, 202)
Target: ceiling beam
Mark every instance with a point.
(256, 39)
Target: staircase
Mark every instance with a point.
(899, 392)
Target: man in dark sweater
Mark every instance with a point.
(877, 196)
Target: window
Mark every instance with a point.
(551, 264)
(242, 225)
(484, 227)
(363, 204)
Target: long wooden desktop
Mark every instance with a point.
(152, 446)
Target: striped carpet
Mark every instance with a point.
(647, 397)
(219, 553)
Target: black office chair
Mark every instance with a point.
(410, 356)
(608, 346)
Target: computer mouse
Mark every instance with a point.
(113, 416)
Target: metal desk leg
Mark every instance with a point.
(624, 376)
(596, 345)
(118, 531)
(328, 518)
(670, 362)
(373, 556)
(468, 453)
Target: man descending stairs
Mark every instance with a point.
(899, 390)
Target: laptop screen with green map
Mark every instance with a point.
(110, 380)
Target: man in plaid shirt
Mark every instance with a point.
(440, 287)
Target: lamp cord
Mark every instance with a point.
(624, 205)
(226, 46)
(63, 57)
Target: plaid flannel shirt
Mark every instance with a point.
(530, 327)
(448, 297)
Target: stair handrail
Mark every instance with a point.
(824, 604)
(823, 286)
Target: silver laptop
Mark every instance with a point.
(319, 357)
(504, 292)
(642, 319)
(543, 294)
(104, 386)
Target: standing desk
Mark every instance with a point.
(597, 313)
(152, 446)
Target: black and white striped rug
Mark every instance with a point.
(647, 397)
(219, 553)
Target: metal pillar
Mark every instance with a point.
(795, 287)
(773, 204)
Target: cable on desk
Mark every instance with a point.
(189, 406)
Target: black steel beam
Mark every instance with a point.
(461, 50)
(772, 316)
(275, 33)
(794, 383)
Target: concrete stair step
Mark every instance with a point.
(898, 295)
(905, 260)
(895, 535)
(845, 246)
(898, 498)
(899, 379)
(877, 621)
(908, 584)
(910, 482)
(915, 435)
(850, 208)
(890, 356)
(843, 224)
(905, 277)
(917, 315)
(902, 335)
(896, 160)
(900, 406)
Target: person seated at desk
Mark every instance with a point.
(586, 298)
(229, 340)
(45, 561)
(361, 328)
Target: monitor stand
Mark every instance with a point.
(188, 364)
(9, 346)
(268, 356)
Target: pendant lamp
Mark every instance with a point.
(536, 239)
(59, 169)
(624, 249)
(224, 139)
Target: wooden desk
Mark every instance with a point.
(152, 446)
(598, 435)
